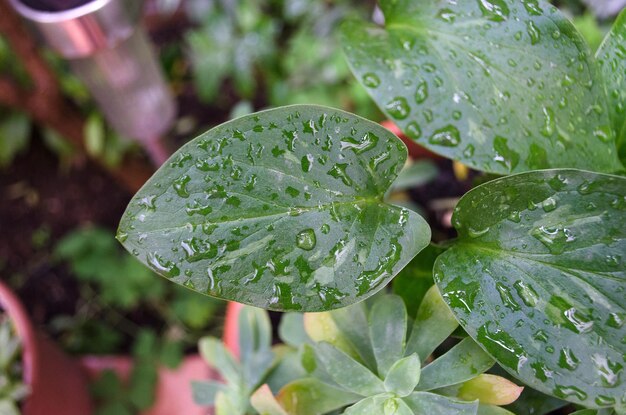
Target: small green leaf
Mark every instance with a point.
(264, 403)
(255, 341)
(612, 58)
(387, 327)
(425, 403)
(216, 355)
(352, 322)
(291, 329)
(321, 327)
(490, 390)
(538, 279)
(403, 376)
(312, 397)
(463, 362)
(433, 324)
(14, 136)
(281, 209)
(368, 406)
(94, 135)
(347, 372)
(503, 86)
(204, 392)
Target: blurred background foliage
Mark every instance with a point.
(223, 59)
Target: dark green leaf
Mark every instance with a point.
(413, 282)
(536, 403)
(612, 58)
(14, 136)
(463, 362)
(501, 85)
(281, 209)
(538, 278)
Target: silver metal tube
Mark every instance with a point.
(110, 52)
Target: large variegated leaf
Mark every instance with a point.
(538, 278)
(501, 85)
(281, 209)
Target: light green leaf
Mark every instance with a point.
(281, 209)
(425, 403)
(312, 397)
(204, 392)
(612, 59)
(255, 341)
(14, 136)
(387, 327)
(501, 85)
(353, 324)
(368, 406)
(538, 279)
(264, 403)
(215, 354)
(291, 329)
(463, 362)
(433, 324)
(347, 372)
(403, 376)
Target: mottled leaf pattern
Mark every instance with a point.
(281, 209)
(538, 278)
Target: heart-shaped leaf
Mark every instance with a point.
(501, 85)
(538, 278)
(281, 209)
(612, 58)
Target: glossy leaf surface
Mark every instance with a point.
(501, 85)
(281, 209)
(538, 278)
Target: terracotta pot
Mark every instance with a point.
(173, 393)
(415, 150)
(57, 383)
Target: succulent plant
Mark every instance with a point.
(12, 389)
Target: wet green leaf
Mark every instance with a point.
(612, 58)
(459, 364)
(281, 209)
(425, 403)
(501, 85)
(538, 278)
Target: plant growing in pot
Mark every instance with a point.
(42, 362)
(285, 209)
(12, 388)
